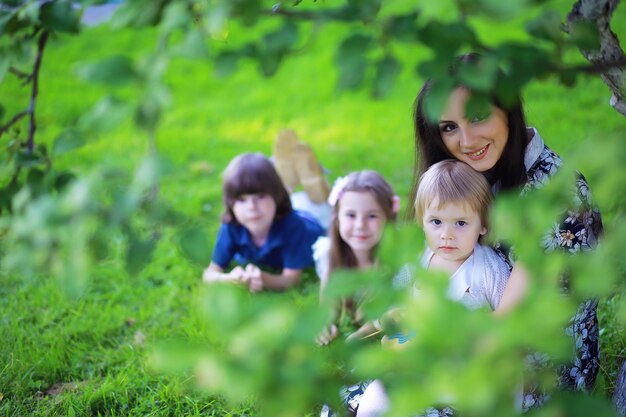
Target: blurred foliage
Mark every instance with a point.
(61, 223)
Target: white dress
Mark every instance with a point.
(479, 281)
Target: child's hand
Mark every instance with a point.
(253, 278)
(238, 274)
(364, 332)
(328, 335)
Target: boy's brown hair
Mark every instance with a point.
(253, 173)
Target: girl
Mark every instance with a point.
(451, 205)
(260, 231)
(362, 203)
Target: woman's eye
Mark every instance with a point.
(447, 127)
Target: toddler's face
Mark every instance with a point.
(452, 230)
(255, 212)
(361, 220)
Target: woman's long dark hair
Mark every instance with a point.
(509, 171)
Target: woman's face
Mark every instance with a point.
(479, 141)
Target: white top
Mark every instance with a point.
(479, 281)
(321, 256)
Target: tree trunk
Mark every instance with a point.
(598, 13)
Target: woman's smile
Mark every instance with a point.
(477, 155)
(479, 142)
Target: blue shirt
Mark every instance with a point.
(288, 244)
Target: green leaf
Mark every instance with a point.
(498, 9)
(248, 11)
(282, 40)
(175, 16)
(30, 12)
(365, 9)
(99, 247)
(269, 63)
(521, 63)
(400, 244)
(564, 403)
(60, 16)
(437, 98)
(387, 70)
(479, 75)
(35, 180)
(546, 26)
(62, 179)
(5, 18)
(20, 52)
(5, 63)
(447, 38)
(353, 47)
(196, 245)
(26, 159)
(68, 140)
(225, 63)
(138, 253)
(351, 60)
(105, 115)
(568, 77)
(137, 13)
(2, 110)
(478, 107)
(115, 70)
(584, 35)
(402, 27)
(148, 114)
(193, 45)
(6, 195)
(442, 10)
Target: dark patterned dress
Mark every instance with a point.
(578, 231)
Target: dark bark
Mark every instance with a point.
(599, 13)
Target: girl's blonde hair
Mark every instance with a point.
(453, 181)
(253, 173)
(341, 254)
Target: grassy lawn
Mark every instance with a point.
(91, 356)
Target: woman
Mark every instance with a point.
(513, 156)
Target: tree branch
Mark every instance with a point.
(21, 75)
(601, 67)
(41, 44)
(598, 13)
(14, 120)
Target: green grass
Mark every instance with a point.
(102, 341)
